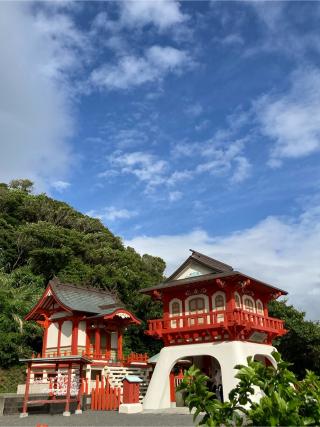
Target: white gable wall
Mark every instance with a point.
(192, 270)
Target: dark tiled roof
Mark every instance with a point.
(210, 262)
(207, 278)
(80, 298)
(215, 265)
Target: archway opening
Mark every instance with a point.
(265, 360)
(208, 365)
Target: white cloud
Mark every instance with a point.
(163, 14)
(131, 70)
(69, 47)
(292, 119)
(60, 185)
(178, 176)
(221, 155)
(144, 166)
(242, 169)
(35, 115)
(231, 39)
(111, 214)
(174, 196)
(282, 34)
(194, 110)
(281, 251)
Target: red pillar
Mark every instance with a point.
(97, 341)
(46, 325)
(119, 346)
(67, 407)
(231, 303)
(26, 392)
(172, 388)
(74, 344)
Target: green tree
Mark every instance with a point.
(40, 238)
(301, 345)
(285, 401)
(21, 184)
(18, 338)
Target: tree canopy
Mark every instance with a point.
(301, 345)
(40, 238)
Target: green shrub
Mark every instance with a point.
(285, 402)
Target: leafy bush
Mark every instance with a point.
(285, 401)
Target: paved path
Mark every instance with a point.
(101, 418)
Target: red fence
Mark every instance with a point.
(104, 397)
(127, 360)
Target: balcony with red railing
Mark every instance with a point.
(111, 358)
(236, 324)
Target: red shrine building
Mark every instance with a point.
(213, 316)
(82, 340)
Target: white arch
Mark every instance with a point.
(259, 356)
(251, 299)
(228, 354)
(175, 323)
(214, 308)
(206, 302)
(171, 304)
(237, 294)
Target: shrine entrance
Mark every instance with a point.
(208, 365)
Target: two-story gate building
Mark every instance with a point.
(214, 316)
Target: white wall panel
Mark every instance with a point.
(66, 333)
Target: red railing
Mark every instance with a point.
(107, 356)
(214, 319)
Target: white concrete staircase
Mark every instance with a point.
(115, 375)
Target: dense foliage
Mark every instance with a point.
(41, 238)
(285, 401)
(301, 345)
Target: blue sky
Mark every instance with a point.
(179, 124)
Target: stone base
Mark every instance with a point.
(173, 405)
(130, 408)
(23, 414)
(66, 414)
(78, 411)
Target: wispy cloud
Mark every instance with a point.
(60, 186)
(144, 166)
(174, 196)
(291, 119)
(163, 14)
(194, 110)
(131, 71)
(111, 213)
(281, 251)
(221, 155)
